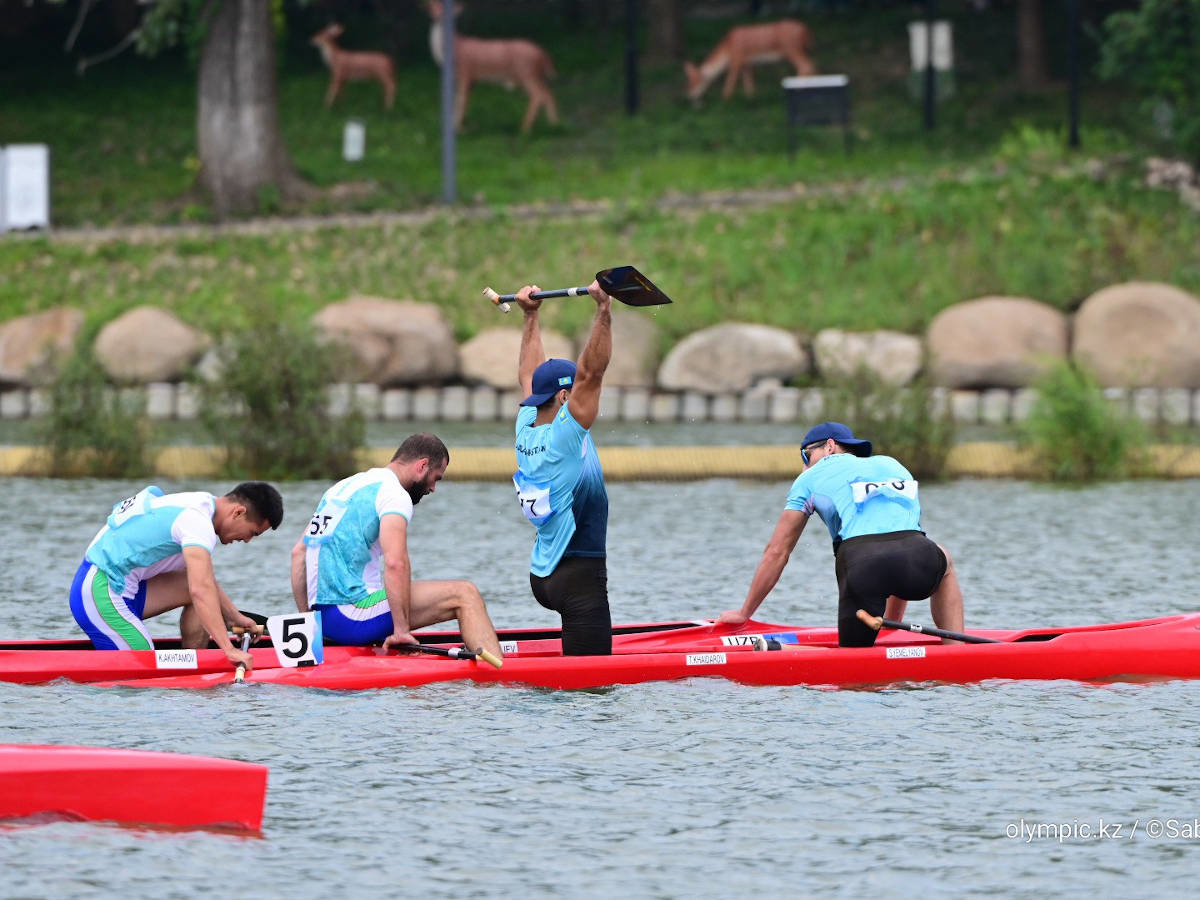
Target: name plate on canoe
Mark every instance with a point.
(905, 652)
(706, 659)
(175, 659)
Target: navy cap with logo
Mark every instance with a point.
(548, 379)
(840, 433)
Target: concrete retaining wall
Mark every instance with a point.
(996, 406)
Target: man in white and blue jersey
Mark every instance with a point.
(883, 558)
(352, 565)
(155, 554)
(559, 482)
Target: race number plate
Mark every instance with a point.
(297, 639)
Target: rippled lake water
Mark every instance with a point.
(696, 788)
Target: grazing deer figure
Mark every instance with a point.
(508, 62)
(352, 65)
(750, 45)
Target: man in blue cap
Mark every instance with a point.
(559, 482)
(883, 559)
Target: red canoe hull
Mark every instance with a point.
(1167, 647)
(131, 787)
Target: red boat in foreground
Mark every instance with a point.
(139, 787)
(1160, 648)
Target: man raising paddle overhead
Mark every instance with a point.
(352, 565)
(883, 559)
(154, 554)
(559, 482)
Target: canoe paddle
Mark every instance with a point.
(625, 284)
(877, 622)
(239, 674)
(453, 652)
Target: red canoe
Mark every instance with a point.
(131, 787)
(1166, 647)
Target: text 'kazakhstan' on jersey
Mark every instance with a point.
(560, 487)
(857, 495)
(342, 539)
(145, 535)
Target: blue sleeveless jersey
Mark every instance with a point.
(560, 487)
(856, 495)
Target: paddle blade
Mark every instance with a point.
(629, 286)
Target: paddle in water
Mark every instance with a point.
(877, 622)
(625, 284)
(239, 674)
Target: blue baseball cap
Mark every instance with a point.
(548, 379)
(840, 433)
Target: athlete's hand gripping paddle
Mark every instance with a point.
(625, 284)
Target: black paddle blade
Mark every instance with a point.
(629, 286)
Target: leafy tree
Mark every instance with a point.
(1156, 48)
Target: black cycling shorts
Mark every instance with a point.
(872, 567)
(577, 590)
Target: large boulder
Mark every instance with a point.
(995, 342)
(148, 344)
(893, 357)
(491, 356)
(392, 342)
(732, 357)
(1140, 334)
(30, 344)
(634, 349)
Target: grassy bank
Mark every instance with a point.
(882, 258)
(885, 236)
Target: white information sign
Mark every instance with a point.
(297, 639)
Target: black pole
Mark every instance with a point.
(1073, 69)
(930, 76)
(631, 57)
(449, 166)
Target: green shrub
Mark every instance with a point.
(910, 423)
(1078, 434)
(270, 407)
(92, 429)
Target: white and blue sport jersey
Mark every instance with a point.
(857, 495)
(560, 487)
(342, 540)
(146, 533)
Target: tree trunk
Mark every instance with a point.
(664, 36)
(237, 120)
(1031, 45)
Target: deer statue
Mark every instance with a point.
(749, 45)
(353, 65)
(509, 62)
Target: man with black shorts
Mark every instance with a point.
(559, 482)
(883, 559)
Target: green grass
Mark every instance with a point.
(885, 236)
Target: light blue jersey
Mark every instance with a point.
(560, 487)
(857, 495)
(342, 540)
(145, 535)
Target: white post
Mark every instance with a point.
(24, 186)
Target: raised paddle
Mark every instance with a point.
(877, 622)
(625, 284)
(453, 652)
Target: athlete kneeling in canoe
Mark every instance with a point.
(352, 563)
(883, 559)
(155, 554)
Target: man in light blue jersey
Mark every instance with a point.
(352, 564)
(155, 554)
(559, 482)
(883, 559)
